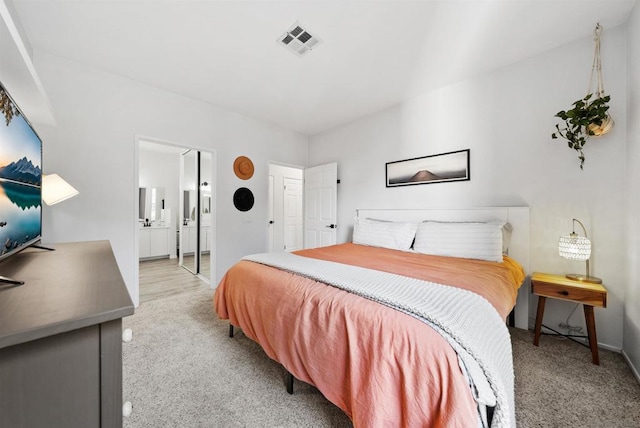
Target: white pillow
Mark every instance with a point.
(470, 240)
(385, 234)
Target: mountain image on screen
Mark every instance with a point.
(22, 171)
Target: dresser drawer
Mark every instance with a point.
(565, 292)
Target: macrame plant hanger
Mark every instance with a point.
(596, 69)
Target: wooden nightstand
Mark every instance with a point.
(559, 287)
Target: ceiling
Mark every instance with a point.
(372, 55)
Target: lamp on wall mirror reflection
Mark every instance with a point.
(55, 189)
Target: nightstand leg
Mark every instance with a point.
(591, 331)
(539, 315)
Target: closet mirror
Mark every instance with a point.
(189, 245)
(206, 204)
(195, 225)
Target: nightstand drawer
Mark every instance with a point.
(574, 294)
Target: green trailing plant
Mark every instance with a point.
(6, 105)
(586, 118)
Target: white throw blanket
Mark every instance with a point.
(466, 320)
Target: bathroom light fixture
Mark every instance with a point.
(575, 247)
(55, 189)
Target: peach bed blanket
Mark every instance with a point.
(379, 365)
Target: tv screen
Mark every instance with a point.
(20, 180)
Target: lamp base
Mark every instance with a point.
(584, 278)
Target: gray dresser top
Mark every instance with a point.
(75, 286)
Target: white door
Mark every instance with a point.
(293, 218)
(270, 237)
(320, 195)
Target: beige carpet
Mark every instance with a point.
(558, 386)
(182, 370)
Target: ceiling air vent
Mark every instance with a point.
(298, 40)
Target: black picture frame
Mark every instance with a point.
(439, 168)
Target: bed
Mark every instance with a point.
(424, 350)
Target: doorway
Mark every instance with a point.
(159, 178)
(286, 208)
(302, 207)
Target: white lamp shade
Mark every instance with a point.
(55, 189)
(574, 247)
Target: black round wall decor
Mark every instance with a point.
(243, 199)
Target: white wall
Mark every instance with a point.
(631, 344)
(161, 169)
(93, 146)
(506, 118)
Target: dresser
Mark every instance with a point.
(61, 337)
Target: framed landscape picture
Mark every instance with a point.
(443, 167)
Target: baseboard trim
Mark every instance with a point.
(634, 370)
(586, 342)
(605, 346)
(631, 366)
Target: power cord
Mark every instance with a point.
(571, 329)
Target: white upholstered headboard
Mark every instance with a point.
(518, 247)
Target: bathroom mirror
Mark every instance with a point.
(189, 206)
(206, 204)
(151, 203)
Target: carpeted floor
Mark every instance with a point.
(182, 370)
(558, 386)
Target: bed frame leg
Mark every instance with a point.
(230, 330)
(289, 382)
(490, 411)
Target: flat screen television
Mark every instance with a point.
(20, 181)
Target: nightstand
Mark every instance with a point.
(559, 287)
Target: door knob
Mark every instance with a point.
(270, 221)
(332, 226)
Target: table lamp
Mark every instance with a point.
(55, 189)
(575, 247)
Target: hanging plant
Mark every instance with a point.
(8, 108)
(587, 117)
